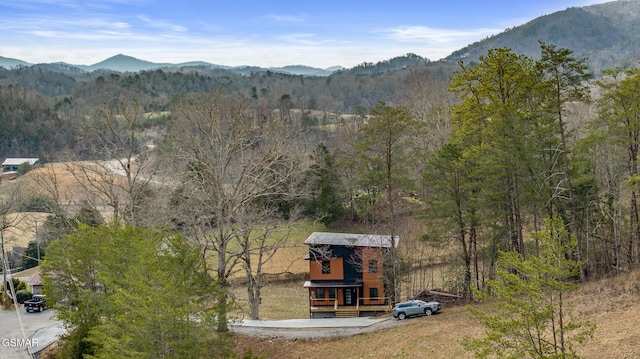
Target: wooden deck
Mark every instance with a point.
(349, 311)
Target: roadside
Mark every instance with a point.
(18, 331)
(46, 336)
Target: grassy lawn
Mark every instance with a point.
(282, 297)
(283, 300)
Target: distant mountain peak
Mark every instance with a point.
(120, 57)
(10, 63)
(124, 63)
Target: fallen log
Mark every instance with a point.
(441, 297)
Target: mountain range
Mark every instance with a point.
(607, 34)
(124, 63)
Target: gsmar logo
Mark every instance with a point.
(19, 342)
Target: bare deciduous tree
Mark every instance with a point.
(262, 233)
(122, 170)
(233, 163)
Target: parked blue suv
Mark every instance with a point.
(415, 307)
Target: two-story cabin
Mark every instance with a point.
(346, 274)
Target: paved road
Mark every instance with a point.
(16, 329)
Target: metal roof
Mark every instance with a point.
(19, 161)
(351, 239)
(35, 279)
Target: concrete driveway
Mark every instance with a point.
(17, 328)
(22, 334)
(312, 328)
(314, 323)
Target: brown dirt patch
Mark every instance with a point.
(61, 180)
(436, 336)
(22, 228)
(612, 304)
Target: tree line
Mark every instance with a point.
(61, 100)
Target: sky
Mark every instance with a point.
(263, 33)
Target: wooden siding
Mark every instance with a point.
(372, 277)
(336, 272)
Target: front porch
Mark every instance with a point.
(347, 311)
(340, 299)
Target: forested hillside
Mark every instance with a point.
(606, 34)
(66, 99)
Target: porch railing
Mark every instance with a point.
(361, 302)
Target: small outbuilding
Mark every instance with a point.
(35, 283)
(10, 165)
(30, 276)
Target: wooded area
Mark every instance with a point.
(461, 168)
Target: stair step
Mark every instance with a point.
(347, 314)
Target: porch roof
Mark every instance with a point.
(310, 284)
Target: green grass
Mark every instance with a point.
(289, 258)
(283, 297)
(282, 300)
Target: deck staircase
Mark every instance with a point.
(347, 314)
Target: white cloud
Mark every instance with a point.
(287, 18)
(300, 39)
(66, 25)
(435, 36)
(162, 24)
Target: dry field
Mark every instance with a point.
(612, 304)
(21, 228)
(51, 178)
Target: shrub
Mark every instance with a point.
(24, 168)
(23, 295)
(38, 204)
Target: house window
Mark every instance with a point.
(320, 293)
(326, 267)
(373, 293)
(373, 266)
(332, 293)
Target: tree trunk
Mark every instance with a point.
(224, 284)
(253, 292)
(572, 201)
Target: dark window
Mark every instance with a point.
(373, 266)
(320, 293)
(373, 293)
(332, 293)
(326, 267)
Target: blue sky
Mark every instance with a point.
(262, 33)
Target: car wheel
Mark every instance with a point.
(401, 316)
(41, 309)
(428, 311)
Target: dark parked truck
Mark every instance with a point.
(35, 304)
